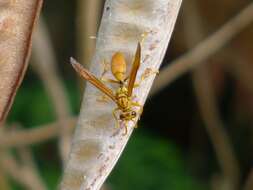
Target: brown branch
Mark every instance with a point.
(4, 184)
(36, 135)
(241, 69)
(249, 181)
(28, 163)
(89, 12)
(21, 173)
(207, 103)
(215, 127)
(45, 65)
(204, 50)
(16, 26)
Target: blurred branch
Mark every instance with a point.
(242, 71)
(89, 12)
(23, 174)
(27, 161)
(194, 32)
(4, 184)
(203, 50)
(24, 137)
(249, 181)
(45, 65)
(215, 127)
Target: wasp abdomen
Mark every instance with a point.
(118, 66)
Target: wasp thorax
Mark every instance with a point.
(122, 98)
(118, 66)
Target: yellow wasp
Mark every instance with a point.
(123, 95)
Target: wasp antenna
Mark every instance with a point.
(73, 61)
(77, 66)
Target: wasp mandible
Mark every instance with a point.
(123, 95)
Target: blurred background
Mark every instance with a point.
(195, 134)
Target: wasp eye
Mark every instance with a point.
(133, 113)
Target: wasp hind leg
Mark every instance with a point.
(106, 68)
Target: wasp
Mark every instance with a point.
(123, 96)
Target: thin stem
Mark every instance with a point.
(208, 104)
(249, 181)
(20, 173)
(25, 137)
(89, 12)
(45, 65)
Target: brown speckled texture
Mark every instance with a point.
(17, 19)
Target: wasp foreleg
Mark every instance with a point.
(126, 130)
(136, 104)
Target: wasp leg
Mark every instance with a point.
(126, 130)
(135, 126)
(109, 80)
(126, 78)
(138, 105)
(115, 116)
(143, 37)
(106, 68)
(148, 72)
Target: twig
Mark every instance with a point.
(45, 65)
(249, 181)
(97, 143)
(17, 21)
(207, 103)
(25, 137)
(241, 69)
(204, 50)
(89, 12)
(22, 174)
(28, 163)
(215, 127)
(4, 184)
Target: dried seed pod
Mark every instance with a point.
(17, 20)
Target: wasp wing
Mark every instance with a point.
(134, 70)
(91, 78)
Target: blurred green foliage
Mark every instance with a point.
(149, 163)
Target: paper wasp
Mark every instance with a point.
(123, 95)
